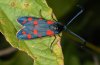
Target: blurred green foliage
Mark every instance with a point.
(87, 25)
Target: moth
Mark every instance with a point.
(34, 27)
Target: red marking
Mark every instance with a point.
(23, 32)
(50, 22)
(30, 19)
(35, 32)
(29, 36)
(49, 32)
(35, 22)
(24, 22)
(40, 18)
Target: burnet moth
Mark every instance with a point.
(38, 27)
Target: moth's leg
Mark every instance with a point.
(59, 35)
(52, 42)
(52, 16)
(40, 13)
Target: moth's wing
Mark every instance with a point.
(35, 31)
(28, 33)
(26, 20)
(24, 33)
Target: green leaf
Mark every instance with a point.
(39, 49)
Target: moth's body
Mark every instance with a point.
(38, 27)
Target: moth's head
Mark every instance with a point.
(57, 27)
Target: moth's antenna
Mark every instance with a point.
(75, 15)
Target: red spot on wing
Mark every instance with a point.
(24, 22)
(23, 32)
(29, 36)
(35, 32)
(50, 22)
(49, 32)
(30, 19)
(35, 22)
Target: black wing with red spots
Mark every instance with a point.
(36, 27)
